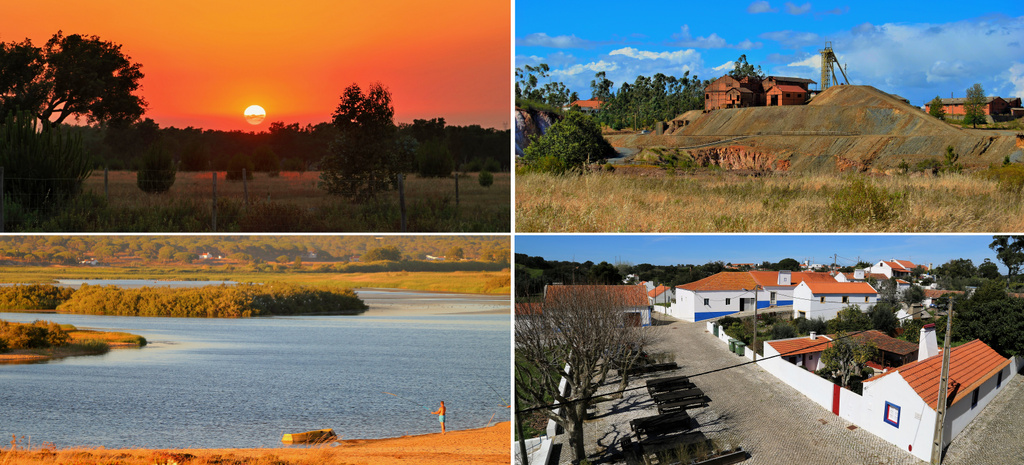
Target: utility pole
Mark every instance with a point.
(755, 323)
(940, 406)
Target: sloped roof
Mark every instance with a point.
(790, 79)
(589, 103)
(802, 345)
(631, 295)
(770, 278)
(535, 308)
(884, 342)
(790, 88)
(936, 293)
(658, 290)
(901, 265)
(724, 281)
(970, 365)
(962, 100)
(840, 288)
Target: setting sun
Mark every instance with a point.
(255, 114)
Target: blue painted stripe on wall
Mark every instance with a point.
(701, 316)
(780, 303)
(766, 304)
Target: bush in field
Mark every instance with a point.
(195, 157)
(485, 178)
(38, 335)
(783, 330)
(293, 164)
(238, 162)
(491, 165)
(433, 159)
(265, 160)
(1009, 176)
(42, 166)
(390, 253)
(860, 202)
(574, 140)
(156, 174)
(33, 297)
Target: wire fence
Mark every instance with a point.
(207, 202)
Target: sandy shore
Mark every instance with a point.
(477, 446)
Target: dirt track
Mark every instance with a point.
(844, 128)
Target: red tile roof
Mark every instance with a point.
(803, 345)
(936, 293)
(535, 308)
(841, 288)
(631, 295)
(903, 266)
(658, 290)
(770, 278)
(589, 103)
(725, 281)
(970, 365)
(789, 88)
(884, 342)
(878, 276)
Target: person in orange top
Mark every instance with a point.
(440, 416)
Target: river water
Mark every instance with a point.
(227, 383)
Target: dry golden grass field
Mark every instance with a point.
(287, 203)
(729, 202)
(485, 446)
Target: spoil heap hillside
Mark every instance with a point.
(844, 128)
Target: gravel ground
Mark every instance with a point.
(776, 424)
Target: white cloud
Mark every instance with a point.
(760, 6)
(727, 65)
(793, 39)
(797, 10)
(1017, 79)
(593, 68)
(541, 39)
(678, 56)
(685, 39)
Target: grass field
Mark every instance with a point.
(287, 203)
(729, 202)
(473, 282)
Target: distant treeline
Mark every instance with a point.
(242, 300)
(120, 146)
(33, 297)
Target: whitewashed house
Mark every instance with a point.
(631, 297)
(825, 300)
(660, 295)
(717, 295)
(897, 268)
(777, 286)
(899, 405)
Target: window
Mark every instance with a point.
(822, 299)
(999, 379)
(892, 414)
(846, 299)
(974, 398)
(803, 314)
(707, 96)
(773, 297)
(866, 299)
(727, 301)
(707, 302)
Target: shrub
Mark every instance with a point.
(485, 178)
(42, 168)
(156, 174)
(433, 159)
(805, 326)
(860, 203)
(783, 330)
(609, 167)
(293, 164)
(38, 335)
(238, 162)
(195, 157)
(1009, 176)
(472, 165)
(491, 165)
(265, 160)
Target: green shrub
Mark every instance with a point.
(38, 335)
(156, 175)
(609, 167)
(485, 178)
(42, 168)
(293, 164)
(783, 330)
(861, 203)
(433, 159)
(1009, 176)
(491, 165)
(238, 162)
(548, 164)
(265, 160)
(195, 157)
(472, 165)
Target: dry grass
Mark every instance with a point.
(111, 338)
(727, 202)
(480, 446)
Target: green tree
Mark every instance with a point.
(282, 258)
(1010, 251)
(846, 356)
(156, 173)
(485, 178)
(239, 162)
(167, 252)
(850, 319)
(265, 160)
(433, 159)
(366, 157)
(604, 273)
(41, 167)
(70, 76)
(574, 141)
(742, 69)
(195, 157)
(974, 105)
(297, 264)
(912, 295)
(787, 264)
(883, 318)
(950, 164)
(936, 109)
(455, 253)
(389, 253)
(601, 87)
(989, 270)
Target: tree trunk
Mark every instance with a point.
(575, 430)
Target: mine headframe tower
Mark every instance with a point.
(828, 75)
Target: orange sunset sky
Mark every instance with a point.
(206, 61)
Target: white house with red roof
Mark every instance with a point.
(589, 106)
(631, 297)
(900, 405)
(777, 286)
(825, 300)
(717, 295)
(660, 295)
(897, 268)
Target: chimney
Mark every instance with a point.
(785, 278)
(858, 275)
(814, 335)
(928, 346)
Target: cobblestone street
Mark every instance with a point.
(997, 435)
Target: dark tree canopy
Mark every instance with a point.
(74, 75)
(974, 105)
(605, 273)
(936, 109)
(1010, 251)
(742, 69)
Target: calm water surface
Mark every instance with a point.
(224, 383)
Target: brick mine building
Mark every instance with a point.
(729, 92)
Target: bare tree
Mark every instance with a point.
(584, 327)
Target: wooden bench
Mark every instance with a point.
(653, 368)
(684, 404)
(675, 396)
(670, 379)
(656, 425)
(656, 444)
(669, 387)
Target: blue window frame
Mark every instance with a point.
(892, 414)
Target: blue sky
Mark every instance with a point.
(701, 249)
(915, 49)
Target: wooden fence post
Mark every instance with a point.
(401, 198)
(214, 224)
(245, 187)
